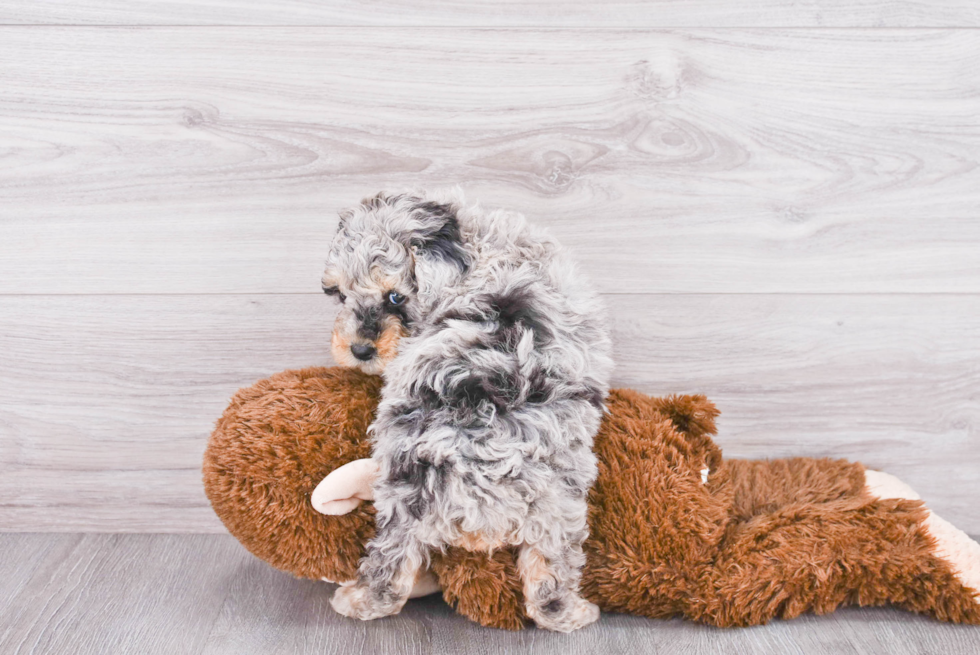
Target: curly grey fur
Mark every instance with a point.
(491, 399)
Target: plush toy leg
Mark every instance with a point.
(765, 486)
(952, 545)
(790, 557)
(483, 587)
(819, 557)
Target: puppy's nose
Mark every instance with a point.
(363, 351)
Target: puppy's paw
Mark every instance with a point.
(565, 614)
(357, 602)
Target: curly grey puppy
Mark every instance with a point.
(496, 361)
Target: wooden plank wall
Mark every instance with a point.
(782, 214)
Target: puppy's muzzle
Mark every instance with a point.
(363, 351)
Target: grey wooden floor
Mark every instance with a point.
(189, 594)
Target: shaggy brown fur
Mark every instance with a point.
(759, 540)
(274, 443)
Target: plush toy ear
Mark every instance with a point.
(344, 488)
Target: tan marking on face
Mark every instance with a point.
(340, 348)
(329, 280)
(387, 343)
(384, 283)
(377, 283)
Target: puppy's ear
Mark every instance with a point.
(439, 258)
(437, 236)
(343, 216)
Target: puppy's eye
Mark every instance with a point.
(395, 298)
(334, 291)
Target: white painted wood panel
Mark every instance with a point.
(506, 13)
(108, 401)
(211, 160)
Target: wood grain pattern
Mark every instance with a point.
(512, 13)
(204, 594)
(106, 594)
(108, 401)
(212, 160)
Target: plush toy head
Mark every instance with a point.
(273, 445)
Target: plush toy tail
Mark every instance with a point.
(871, 542)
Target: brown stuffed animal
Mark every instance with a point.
(674, 528)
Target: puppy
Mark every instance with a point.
(496, 361)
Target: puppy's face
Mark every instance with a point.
(383, 252)
(376, 312)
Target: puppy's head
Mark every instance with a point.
(390, 260)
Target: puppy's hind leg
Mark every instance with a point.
(387, 574)
(551, 581)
